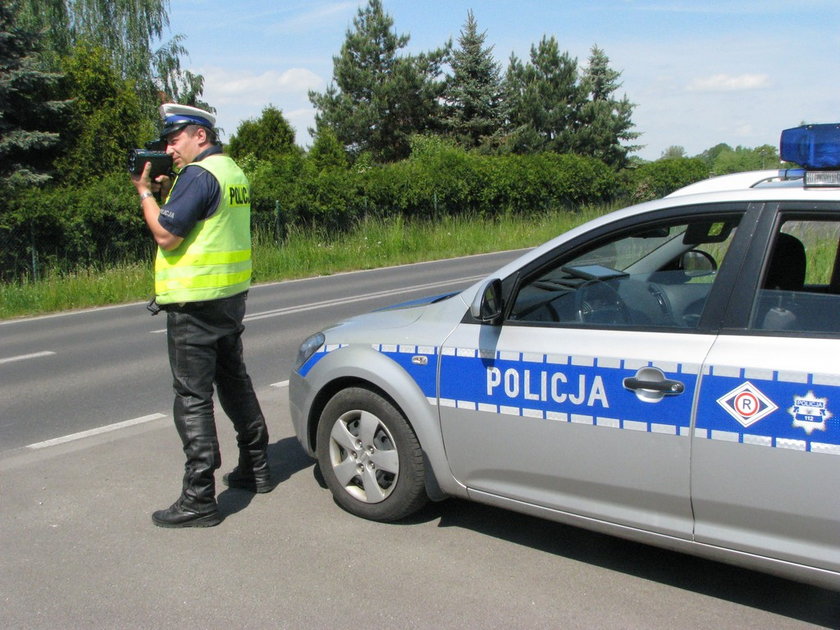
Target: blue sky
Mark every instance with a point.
(700, 72)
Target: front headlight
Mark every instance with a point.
(308, 348)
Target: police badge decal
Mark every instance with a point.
(810, 413)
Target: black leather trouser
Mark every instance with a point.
(205, 348)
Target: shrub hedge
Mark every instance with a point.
(67, 228)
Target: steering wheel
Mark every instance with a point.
(598, 302)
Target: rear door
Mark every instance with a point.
(766, 447)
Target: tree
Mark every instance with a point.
(266, 138)
(604, 122)
(179, 86)
(106, 118)
(474, 98)
(326, 151)
(741, 159)
(31, 113)
(653, 180)
(710, 155)
(544, 99)
(377, 100)
(673, 152)
(127, 29)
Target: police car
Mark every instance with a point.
(668, 373)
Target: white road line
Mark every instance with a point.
(24, 357)
(348, 300)
(84, 434)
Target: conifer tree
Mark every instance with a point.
(605, 122)
(544, 99)
(474, 96)
(378, 99)
(30, 113)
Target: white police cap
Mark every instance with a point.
(176, 117)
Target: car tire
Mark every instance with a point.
(370, 457)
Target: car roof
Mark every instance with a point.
(743, 181)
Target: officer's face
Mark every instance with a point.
(185, 145)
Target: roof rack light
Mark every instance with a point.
(822, 178)
(812, 146)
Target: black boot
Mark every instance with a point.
(177, 515)
(252, 473)
(197, 505)
(247, 476)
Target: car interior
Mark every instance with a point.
(656, 277)
(794, 297)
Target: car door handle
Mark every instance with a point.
(665, 386)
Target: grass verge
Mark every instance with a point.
(374, 243)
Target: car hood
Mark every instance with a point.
(375, 324)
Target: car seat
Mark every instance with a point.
(786, 273)
(787, 265)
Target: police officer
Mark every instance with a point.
(202, 276)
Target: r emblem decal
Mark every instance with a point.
(747, 404)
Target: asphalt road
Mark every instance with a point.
(79, 549)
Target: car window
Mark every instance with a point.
(800, 289)
(656, 275)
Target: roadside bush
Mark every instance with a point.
(64, 227)
(273, 185)
(657, 179)
(67, 228)
(327, 199)
(442, 180)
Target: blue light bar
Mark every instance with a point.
(812, 146)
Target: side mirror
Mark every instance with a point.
(487, 305)
(698, 263)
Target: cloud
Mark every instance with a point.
(242, 95)
(729, 83)
(317, 17)
(232, 86)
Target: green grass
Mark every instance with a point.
(374, 243)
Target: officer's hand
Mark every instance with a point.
(162, 185)
(143, 182)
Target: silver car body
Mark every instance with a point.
(540, 419)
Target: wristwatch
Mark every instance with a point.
(145, 195)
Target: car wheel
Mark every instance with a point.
(370, 457)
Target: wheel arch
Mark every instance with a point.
(367, 368)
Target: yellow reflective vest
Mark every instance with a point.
(214, 260)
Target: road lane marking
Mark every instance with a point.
(24, 357)
(98, 431)
(348, 300)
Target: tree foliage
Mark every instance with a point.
(394, 134)
(107, 116)
(326, 151)
(474, 99)
(378, 99)
(544, 99)
(267, 138)
(31, 112)
(605, 123)
(722, 158)
(128, 30)
(657, 179)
